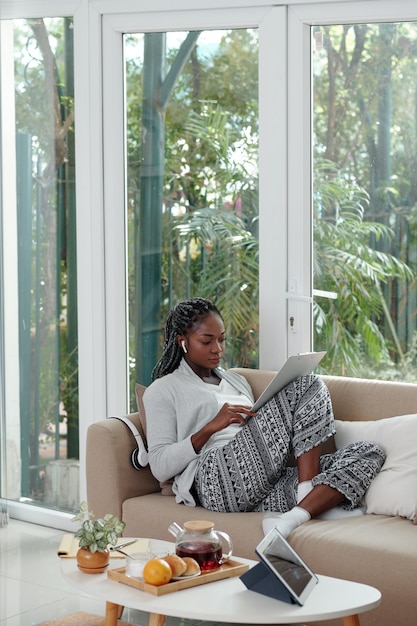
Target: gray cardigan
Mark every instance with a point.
(178, 405)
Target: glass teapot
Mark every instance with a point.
(199, 540)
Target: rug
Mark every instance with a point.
(80, 619)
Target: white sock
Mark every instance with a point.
(303, 490)
(285, 522)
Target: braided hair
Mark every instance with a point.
(184, 316)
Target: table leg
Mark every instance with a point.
(351, 620)
(113, 613)
(156, 620)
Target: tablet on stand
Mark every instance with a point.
(281, 573)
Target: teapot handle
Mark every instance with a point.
(175, 529)
(228, 541)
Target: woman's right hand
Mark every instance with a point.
(228, 414)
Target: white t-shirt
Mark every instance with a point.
(225, 392)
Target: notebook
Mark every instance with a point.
(69, 546)
(295, 366)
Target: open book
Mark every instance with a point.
(69, 546)
(295, 366)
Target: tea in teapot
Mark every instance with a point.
(199, 540)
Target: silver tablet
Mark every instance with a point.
(287, 566)
(294, 367)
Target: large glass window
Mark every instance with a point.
(192, 184)
(39, 262)
(364, 135)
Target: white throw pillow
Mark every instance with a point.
(394, 490)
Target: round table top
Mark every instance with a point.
(228, 600)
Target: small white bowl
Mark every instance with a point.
(136, 563)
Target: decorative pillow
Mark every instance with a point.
(166, 485)
(394, 490)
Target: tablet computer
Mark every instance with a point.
(295, 366)
(284, 562)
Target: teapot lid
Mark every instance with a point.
(198, 526)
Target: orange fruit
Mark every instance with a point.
(157, 572)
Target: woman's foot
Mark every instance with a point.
(286, 525)
(285, 522)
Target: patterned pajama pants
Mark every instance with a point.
(250, 472)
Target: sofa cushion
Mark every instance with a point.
(372, 549)
(394, 490)
(166, 485)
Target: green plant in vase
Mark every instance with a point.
(95, 535)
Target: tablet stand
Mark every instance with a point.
(262, 580)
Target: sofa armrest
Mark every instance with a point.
(111, 477)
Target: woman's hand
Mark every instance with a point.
(228, 414)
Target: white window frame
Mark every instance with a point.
(271, 23)
(11, 11)
(300, 19)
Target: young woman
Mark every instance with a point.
(202, 433)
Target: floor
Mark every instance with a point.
(32, 589)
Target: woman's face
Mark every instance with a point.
(205, 344)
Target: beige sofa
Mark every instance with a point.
(380, 550)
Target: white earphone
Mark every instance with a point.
(184, 347)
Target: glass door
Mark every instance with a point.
(359, 83)
(191, 140)
(38, 247)
(365, 197)
(181, 183)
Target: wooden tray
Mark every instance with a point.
(227, 570)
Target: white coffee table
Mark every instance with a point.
(225, 600)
